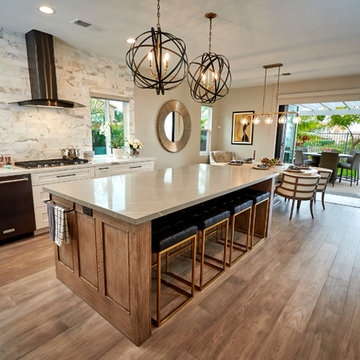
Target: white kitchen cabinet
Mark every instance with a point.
(103, 170)
(120, 169)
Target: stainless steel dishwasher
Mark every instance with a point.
(16, 206)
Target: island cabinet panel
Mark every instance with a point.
(108, 264)
(87, 249)
(116, 265)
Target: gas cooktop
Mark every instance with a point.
(49, 163)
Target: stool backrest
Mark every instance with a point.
(299, 187)
(324, 179)
(356, 161)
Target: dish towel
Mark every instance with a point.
(58, 224)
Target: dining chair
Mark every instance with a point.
(300, 158)
(298, 187)
(351, 164)
(330, 160)
(221, 157)
(325, 175)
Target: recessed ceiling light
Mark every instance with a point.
(46, 9)
(131, 40)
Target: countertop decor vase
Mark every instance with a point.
(118, 153)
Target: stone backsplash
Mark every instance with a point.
(39, 133)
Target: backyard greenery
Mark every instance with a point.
(313, 133)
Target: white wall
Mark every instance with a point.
(39, 133)
(147, 106)
(244, 99)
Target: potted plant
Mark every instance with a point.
(117, 142)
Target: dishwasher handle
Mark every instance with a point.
(13, 181)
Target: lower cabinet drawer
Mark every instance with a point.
(39, 196)
(41, 217)
(131, 168)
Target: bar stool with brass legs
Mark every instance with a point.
(169, 236)
(260, 213)
(240, 221)
(211, 220)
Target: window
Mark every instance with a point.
(205, 135)
(108, 120)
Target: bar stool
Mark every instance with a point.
(169, 233)
(259, 221)
(240, 212)
(210, 220)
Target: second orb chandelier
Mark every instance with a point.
(209, 75)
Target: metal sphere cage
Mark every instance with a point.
(158, 43)
(217, 64)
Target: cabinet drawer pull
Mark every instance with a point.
(67, 175)
(13, 181)
(134, 167)
(104, 168)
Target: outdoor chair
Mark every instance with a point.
(330, 160)
(300, 158)
(300, 188)
(351, 164)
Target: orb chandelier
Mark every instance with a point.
(209, 75)
(269, 116)
(157, 59)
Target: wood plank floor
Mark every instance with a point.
(296, 296)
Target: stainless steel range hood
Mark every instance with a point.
(41, 61)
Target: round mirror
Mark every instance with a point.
(173, 126)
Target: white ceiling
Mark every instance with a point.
(312, 38)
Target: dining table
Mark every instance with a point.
(317, 155)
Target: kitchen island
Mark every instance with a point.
(108, 260)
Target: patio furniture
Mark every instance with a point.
(330, 160)
(351, 164)
(301, 158)
(221, 157)
(298, 187)
(325, 175)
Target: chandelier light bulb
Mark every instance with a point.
(269, 120)
(244, 121)
(282, 120)
(256, 121)
(296, 119)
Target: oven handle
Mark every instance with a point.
(13, 181)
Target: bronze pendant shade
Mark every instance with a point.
(209, 75)
(157, 59)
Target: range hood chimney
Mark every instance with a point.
(41, 61)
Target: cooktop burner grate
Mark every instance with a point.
(49, 163)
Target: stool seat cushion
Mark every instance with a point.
(205, 217)
(256, 195)
(238, 205)
(168, 233)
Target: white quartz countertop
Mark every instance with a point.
(15, 170)
(140, 197)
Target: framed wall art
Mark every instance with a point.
(242, 128)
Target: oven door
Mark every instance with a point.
(16, 206)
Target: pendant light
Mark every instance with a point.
(280, 115)
(209, 75)
(157, 59)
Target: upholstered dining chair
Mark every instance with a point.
(221, 157)
(298, 187)
(325, 175)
